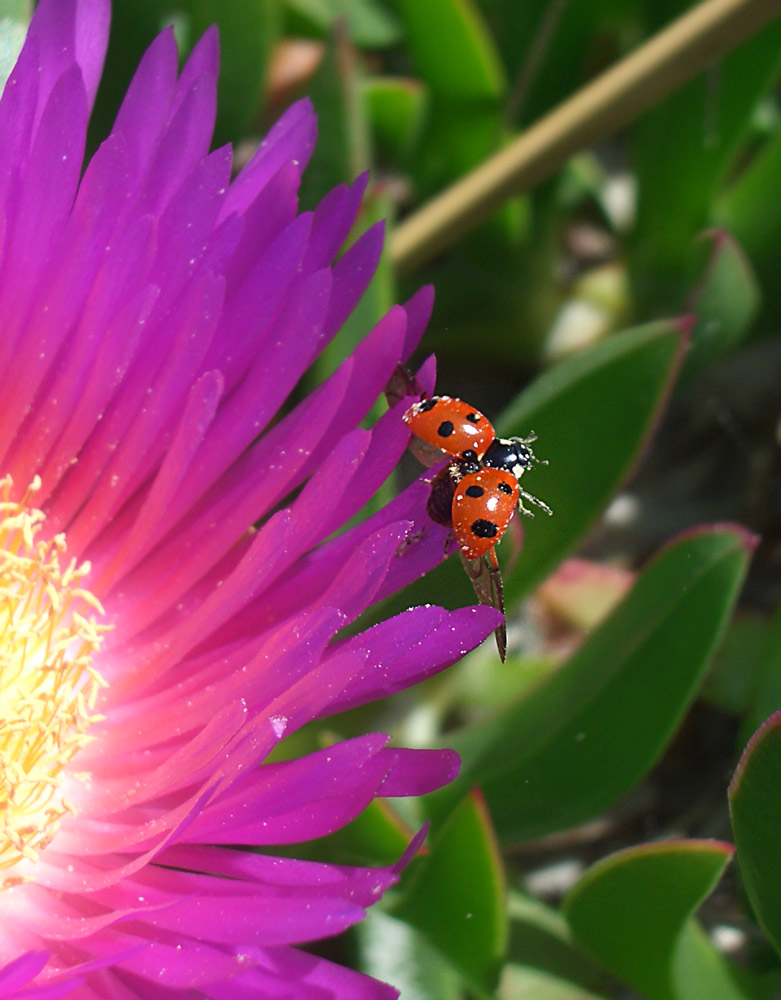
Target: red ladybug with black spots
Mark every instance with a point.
(478, 492)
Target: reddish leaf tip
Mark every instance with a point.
(771, 723)
(745, 537)
(685, 324)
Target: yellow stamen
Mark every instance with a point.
(48, 684)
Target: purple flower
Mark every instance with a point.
(173, 579)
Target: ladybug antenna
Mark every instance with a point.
(528, 440)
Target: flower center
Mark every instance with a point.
(48, 687)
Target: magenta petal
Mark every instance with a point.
(41, 206)
(265, 218)
(352, 274)
(418, 772)
(291, 140)
(431, 639)
(68, 31)
(92, 24)
(287, 973)
(197, 416)
(418, 310)
(203, 61)
(19, 972)
(319, 792)
(144, 111)
(333, 219)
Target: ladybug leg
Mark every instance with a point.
(500, 633)
(450, 540)
(402, 384)
(525, 495)
(486, 579)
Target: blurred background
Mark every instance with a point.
(564, 308)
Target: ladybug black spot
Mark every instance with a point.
(473, 418)
(484, 529)
(475, 491)
(445, 429)
(504, 488)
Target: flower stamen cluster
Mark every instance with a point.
(49, 635)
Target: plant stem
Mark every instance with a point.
(674, 55)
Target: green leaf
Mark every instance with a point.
(456, 895)
(369, 24)
(541, 944)
(755, 804)
(633, 912)
(767, 663)
(14, 17)
(343, 147)
(736, 676)
(725, 303)
(452, 49)
(594, 414)
(519, 982)
(589, 732)
(396, 109)
(393, 952)
(684, 148)
(751, 207)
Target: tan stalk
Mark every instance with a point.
(673, 56)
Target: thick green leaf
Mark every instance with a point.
(755, 802)
(519, 982)
(452, 49)
(369, 24)
(541, 944)
(393, 952)
(737, 673)
(552, 49)
(684, 147)
(14, 18)
(343, 147)
(589, 732)
(19, 11)
(751, 208)
(456, 895)
(725, 303)
(593, 414)
(396, 110)
(767, 692)
(633, 912)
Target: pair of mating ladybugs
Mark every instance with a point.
(478, 492)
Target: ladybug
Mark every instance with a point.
(450, 425)
(477, 493)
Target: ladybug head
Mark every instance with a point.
(512, 454)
